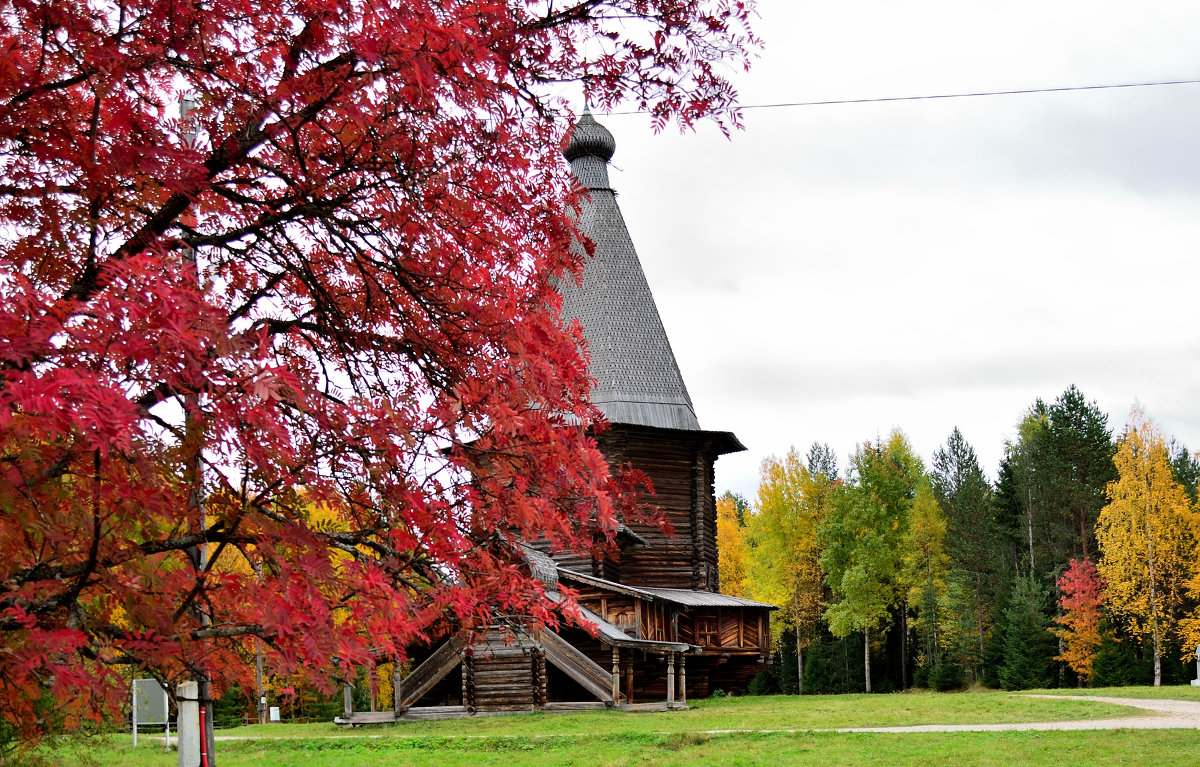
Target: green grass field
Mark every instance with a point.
(1171, 748)
(1175, 692)
(691, 737)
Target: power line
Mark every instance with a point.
(974, 94)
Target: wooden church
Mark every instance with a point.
(662, 630)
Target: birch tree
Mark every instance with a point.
(783, 564)
(861, 539)
(1146, 537)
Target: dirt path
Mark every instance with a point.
(1160, 715)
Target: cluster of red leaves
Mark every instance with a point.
(330, 287)
(1081, 592)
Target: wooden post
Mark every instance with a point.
(670, 680)
(543, 692)
(682, 679)
(616, 675)
(348, 699)
(467, 681)
(167, 721)
(397, 689)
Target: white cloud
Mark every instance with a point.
(833, 272)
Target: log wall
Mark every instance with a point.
(680, 467)
(504, 677)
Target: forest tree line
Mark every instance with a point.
(1079, 565)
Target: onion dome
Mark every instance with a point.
(590, 138)
(589, 148)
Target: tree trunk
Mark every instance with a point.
(1151, 561)
(904, 647)
(867, 657)
(799, 662)
(1083, 532)
(1029, 515)
(1157, 659)
(845, 667)
(1062, 666)
(979, 613)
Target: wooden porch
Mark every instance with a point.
(504, 675)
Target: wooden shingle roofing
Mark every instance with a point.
(681, 597)
(637, 378)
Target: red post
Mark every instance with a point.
(203, 739)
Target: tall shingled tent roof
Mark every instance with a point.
(637, 379)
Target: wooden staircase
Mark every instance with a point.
(578, 666)
(422, 679)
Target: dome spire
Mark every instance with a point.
(637, 378)
(589, 148)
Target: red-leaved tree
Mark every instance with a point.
(1081, 592)
(329, 286)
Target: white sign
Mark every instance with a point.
(274, 713)
(150, 706)
(150, 701)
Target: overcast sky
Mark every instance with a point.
(832, 272)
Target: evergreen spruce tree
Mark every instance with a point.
(1185, 469)
(1028, 644)
(1116, 663)
(1079, 463)
(973, 539)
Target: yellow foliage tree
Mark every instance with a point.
(1146, 536)
(783, 563)
(924, 569)
(731, 549)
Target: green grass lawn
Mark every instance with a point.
(687, 737)
(1162, 748)
(759, 713)
(1174, 692)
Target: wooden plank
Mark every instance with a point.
(366, 717)
(433, 670)
(643, 706)
(485, 667)
(435, 712)
(489, 655)
(519, 660)
(587, 705)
